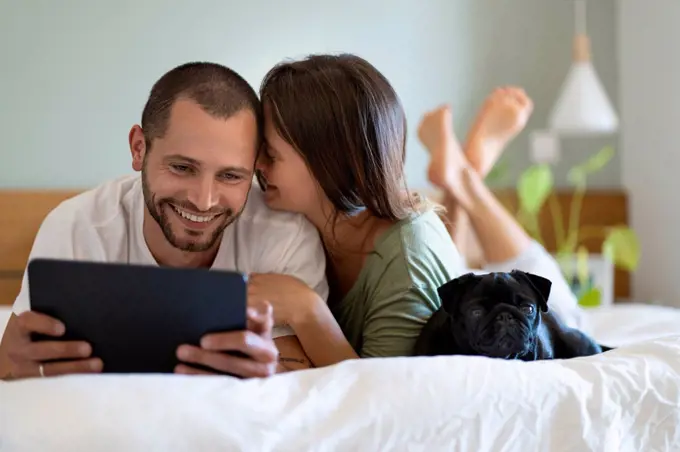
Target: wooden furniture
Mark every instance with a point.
(600, 208)
(22, 212)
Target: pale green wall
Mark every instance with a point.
(75, 73)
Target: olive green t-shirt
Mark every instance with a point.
(396, 291)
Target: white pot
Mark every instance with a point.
(601, 271)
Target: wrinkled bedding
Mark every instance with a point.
(625, 400)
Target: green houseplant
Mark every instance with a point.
(535, 187)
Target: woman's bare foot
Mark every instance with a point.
(504, 114)
(447, 160)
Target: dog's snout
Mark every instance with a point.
(505, 317)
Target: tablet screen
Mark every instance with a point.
(136, 316)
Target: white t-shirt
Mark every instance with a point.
(105, 225)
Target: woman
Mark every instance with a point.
(335, 136)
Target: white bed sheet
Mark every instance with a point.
(624, 400)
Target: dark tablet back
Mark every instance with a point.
(136, 316)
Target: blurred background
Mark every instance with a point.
(75, 74)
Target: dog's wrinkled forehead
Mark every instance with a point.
(496, 287)
(489, 289)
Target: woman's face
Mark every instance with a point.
(290, 184)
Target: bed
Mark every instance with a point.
(624, 400)
(22, 213)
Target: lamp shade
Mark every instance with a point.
(583, 106)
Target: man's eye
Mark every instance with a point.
(230, 177)
(180, 168)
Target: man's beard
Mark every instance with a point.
(159, 214)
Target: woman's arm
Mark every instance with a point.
(319, 333)
(291, 355)
(306, 312)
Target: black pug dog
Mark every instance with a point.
(501, 315)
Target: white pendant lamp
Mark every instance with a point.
(582, 107)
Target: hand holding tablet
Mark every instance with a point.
(142, 319)
(255, 352)
(51, 356)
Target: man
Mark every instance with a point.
(193, 206)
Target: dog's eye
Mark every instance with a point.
(477, 312)
(527, 309)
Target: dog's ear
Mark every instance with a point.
(451, 292)
(539, 284)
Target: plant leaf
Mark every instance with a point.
(582, 265)
(622, 247)
(591, 299)
(598, 161)
(565, 260)
(533, 188)
(577, 176)
(569, 245)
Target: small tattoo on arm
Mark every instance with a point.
(292, 360)
(287, 364)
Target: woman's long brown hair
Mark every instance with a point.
(345, 119)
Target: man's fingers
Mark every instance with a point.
(34, 322)
(244, 367)
(246, 342)
(260, 351)
(187, 370)
(260, 318)
(50, 350)
(83, 366)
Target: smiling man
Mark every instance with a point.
(192, 206)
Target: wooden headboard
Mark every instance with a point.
(21, 213)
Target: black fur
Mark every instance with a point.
(501, 315)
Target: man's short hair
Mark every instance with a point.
(220, 91)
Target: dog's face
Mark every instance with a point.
(496, 314)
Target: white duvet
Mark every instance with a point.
(624, 400)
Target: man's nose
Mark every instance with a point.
(203, 194)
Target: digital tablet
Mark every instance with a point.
(136, 316)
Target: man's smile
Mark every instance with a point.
(195, 221)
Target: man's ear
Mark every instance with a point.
(539, 284)
(451, 292)
(137, 147)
